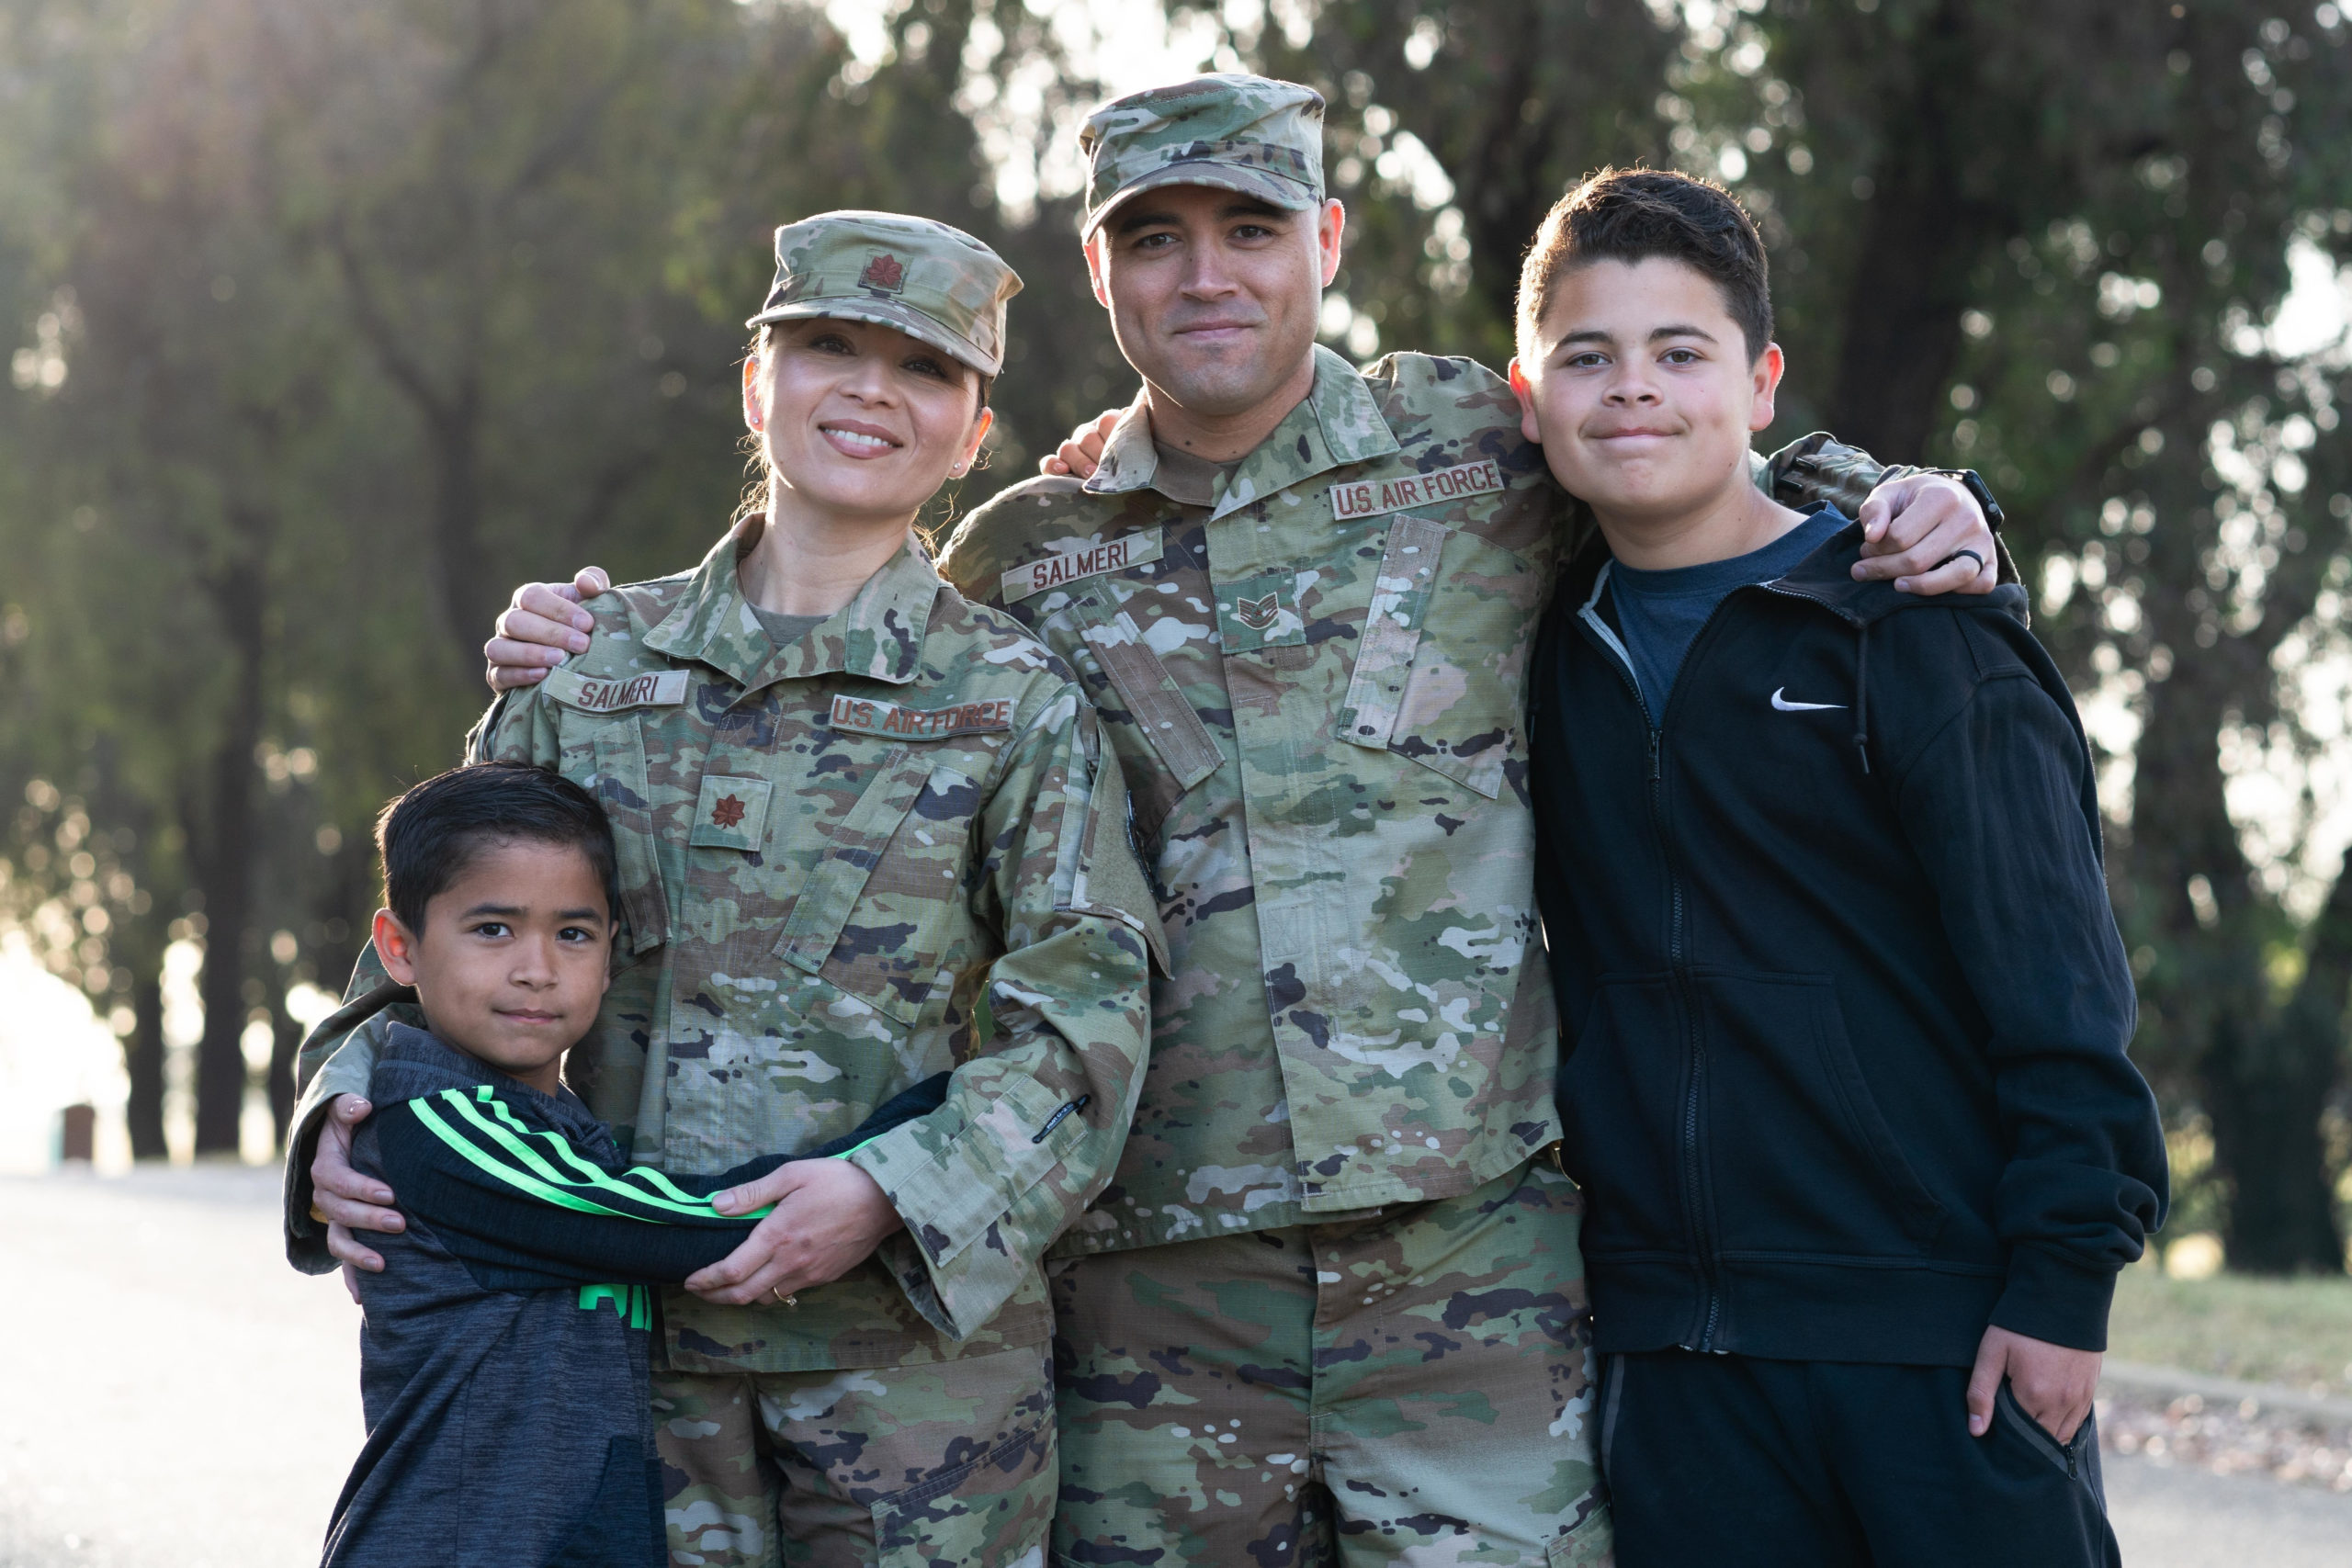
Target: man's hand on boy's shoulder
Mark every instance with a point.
(2050, 1382)
(345, 1198)
(1927, 532)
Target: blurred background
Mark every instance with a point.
(329, 323)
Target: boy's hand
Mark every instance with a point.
(1078, 457)
(829, 1218)
(544, 622)
(2051, 1383)
(1913, 530)
(343, 1197)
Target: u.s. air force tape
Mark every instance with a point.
(860, 716)
(591, 693)
(1070, 564)
(1370, 498)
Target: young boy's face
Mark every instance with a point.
(511, 962)
(1639, 385)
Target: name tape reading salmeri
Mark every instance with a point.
(861, 717)
(663, 689)
(1370, 498)
(1068, 566)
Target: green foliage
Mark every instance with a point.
(2296, 1332)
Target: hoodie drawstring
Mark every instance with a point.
(1862, 693)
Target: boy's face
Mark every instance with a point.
(511, 962)
(1639, 385)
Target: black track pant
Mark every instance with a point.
(1729, 1462)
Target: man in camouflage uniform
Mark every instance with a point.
(852, 854)
(1332, 1302)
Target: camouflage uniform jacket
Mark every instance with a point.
(886, 849)
(1314, 676)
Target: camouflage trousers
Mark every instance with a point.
(1416, 1388)
(939, 1466)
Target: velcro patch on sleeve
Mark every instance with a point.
(589, 694)
(860, 716)
(1092, 560)
(1370, 498)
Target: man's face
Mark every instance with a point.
(512, 962)
(1639, 385)
(1214, 295)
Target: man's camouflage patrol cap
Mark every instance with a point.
(930, 281)
(1251, 134)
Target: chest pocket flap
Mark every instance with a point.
(1186, 751)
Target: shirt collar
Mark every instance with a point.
(1337, 423)
(878, 634)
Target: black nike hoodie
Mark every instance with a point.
(1844, 1010)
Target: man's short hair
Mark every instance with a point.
(1631, 215)
(430, 835)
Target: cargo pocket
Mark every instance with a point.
(1440, 672)
(996, 1507)
(1183, 751)
(869, 917)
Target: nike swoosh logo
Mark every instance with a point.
(1785, 705)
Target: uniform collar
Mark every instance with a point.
(878, 634)
(1337, 423)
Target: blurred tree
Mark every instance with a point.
(2044, 242)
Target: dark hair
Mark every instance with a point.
(1631, 215)
(430, 835)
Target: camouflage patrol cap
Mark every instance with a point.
(928, 281)
(1251, 134)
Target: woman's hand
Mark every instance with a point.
(829, 1218)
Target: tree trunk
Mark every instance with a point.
(1900, 333)
(2282, 1219)
(285, 1039)
(142, 1059)
(220, 851)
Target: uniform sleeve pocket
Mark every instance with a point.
(1019, 1136)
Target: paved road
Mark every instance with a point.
(173, 1396)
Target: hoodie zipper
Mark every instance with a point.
(1678, 960)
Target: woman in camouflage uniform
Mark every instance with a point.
(866, 834)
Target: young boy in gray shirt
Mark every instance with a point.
(504, 1360)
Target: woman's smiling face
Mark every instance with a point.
(859, 420)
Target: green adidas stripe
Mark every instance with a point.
(521, 1180)
(629, 1187)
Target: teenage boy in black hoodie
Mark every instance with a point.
(1847, 1009)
